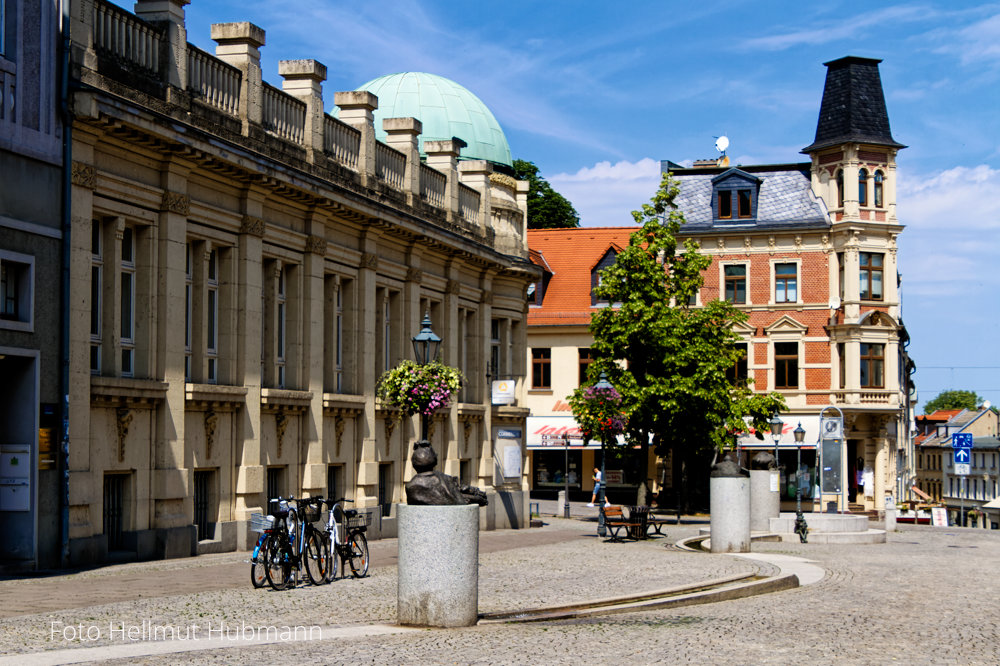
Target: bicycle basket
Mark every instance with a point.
(359, 520)
(310, 512)
(259, 522)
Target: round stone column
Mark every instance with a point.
(438, 582)
(765, 499)
(729, 486)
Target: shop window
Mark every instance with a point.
(736, 284)
(870, 276)
(785, 283)
(541, 368)
(786, 365)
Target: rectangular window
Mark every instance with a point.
(840, 274)
(725, 205)
(8, 290)
(541, 368)
(736, 284)
(871, 276)
(872, 363)
(385, 488)
(282, 304)
(335, 482)
(338, 331)
(212, 317)
(275, 485)
(786, 365)
(203, 505)
(127, 268)
(842, 363)
(188, 309)
(495, 348)
(743, 197)
(386, 336)
(786, 283)
(96, 264)
(586, 358)
(738, 372)
(116, 502)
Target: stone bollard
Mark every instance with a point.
(890, 514)
(765, 499)
(729, 488)
(438, 581)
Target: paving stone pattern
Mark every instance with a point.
(926, 596)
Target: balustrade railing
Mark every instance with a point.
(390, 164)
(341, 141)
(468, 203)
(126, 37)
(432, 186)
(216, 82)
(283, 114)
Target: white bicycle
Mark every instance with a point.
(345, 543)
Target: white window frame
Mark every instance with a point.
(746, 277)
(25, 303)
(188, 308)
(774, 281)
(126, 267)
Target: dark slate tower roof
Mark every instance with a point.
(853, 108)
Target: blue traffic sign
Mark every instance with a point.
(961, 440)
(962, 455)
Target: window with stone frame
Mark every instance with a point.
(840, 188)
(586, 358)
(872, 365)
(541, 368)
(786, 283)
(862, 187)
(338, 323)
(737, 373)
(16, 290)
(206, 311)
(786, 365)
(877, 186)
(870, 265)
(735, 288)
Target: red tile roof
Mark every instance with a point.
(570, 254)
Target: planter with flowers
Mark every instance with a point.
(418, 389)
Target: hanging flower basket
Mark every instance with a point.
(598, 412)
(418, 389)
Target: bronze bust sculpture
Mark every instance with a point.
(431, 487)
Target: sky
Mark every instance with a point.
(597, 93)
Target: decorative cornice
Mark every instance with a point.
(84, 175)
(503, 179)
(316, 245)
(252, 226)
(176, 202)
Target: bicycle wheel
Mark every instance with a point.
(333, 558)
(279, 563)
(315, 558)
(359, 555)
(258, 568)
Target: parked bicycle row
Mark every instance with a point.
(290, 541)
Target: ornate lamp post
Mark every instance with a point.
(425, 350)
(801, 528)
(602, 530)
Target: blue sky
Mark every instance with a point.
(597, 93)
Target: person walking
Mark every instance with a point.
(597, 488)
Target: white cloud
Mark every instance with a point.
(847, 29)
(605, 194)
(961, 197)
(975, 43)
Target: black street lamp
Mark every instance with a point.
(801, 528)
(602, 530)
(425, 349)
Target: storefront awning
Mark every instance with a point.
(810, 423)
(548, 432)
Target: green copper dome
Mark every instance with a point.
(445, 109)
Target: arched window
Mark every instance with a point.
(878, 189)
(840, 188)
(863, 187)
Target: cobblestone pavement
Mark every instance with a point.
(927, 596)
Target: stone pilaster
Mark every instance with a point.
(303, 79)
(169, 15)
(239, 45)
(313, 292)
(443, 156)
(402, 135)
(367, 318)
(357, 109)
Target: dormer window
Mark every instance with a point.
(735, 196)
(595, 274)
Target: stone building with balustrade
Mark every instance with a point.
(244, 267)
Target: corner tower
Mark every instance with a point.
(854, 154)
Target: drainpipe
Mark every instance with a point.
(67, 186)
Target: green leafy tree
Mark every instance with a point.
(954, 399)
(547, 209)
(670, 360)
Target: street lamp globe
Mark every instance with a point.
(799, 433)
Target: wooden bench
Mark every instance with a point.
(615, 521)
(657, 523)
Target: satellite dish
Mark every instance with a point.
(986, 404)
(721, 143)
